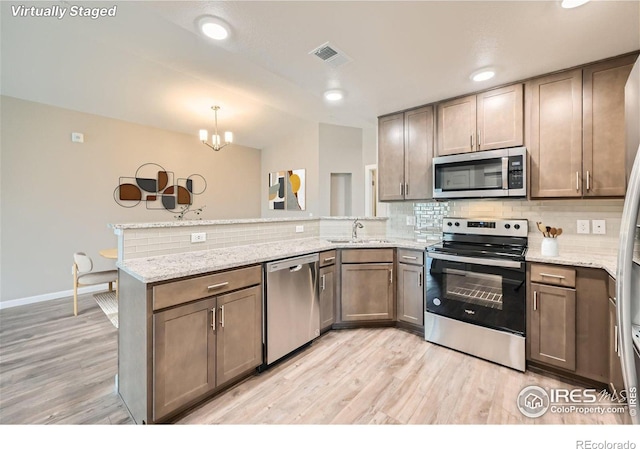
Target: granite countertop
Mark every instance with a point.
(186, 223)
(577, 258)
(173, 266)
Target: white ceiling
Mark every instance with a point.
(150, 65)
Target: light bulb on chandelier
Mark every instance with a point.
(215, 138)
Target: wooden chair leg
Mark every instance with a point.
(75, 289)
(75, 298)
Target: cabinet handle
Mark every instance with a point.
(615, 344)
(402, 188)
(322, 277)
(391, 275)
(420, 279)
(222, 316)
(406, 188)
(214, 286)
(535, 300)
(556, 276)
(471, 141)
(329, 259)
(577, 180)
(213, 318)
(479, 141)
(410, 257)
(588, 181)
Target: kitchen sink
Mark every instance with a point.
(359, 241)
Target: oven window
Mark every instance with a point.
(473, 288)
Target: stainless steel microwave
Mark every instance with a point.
(481, 174)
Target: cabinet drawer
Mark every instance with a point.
(553, 275)
(612, 289)
(173, 293)
(410, 256)
(367, 255)
(327, 258)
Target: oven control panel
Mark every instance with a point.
(486, 226)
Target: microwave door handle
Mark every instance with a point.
(505, 173)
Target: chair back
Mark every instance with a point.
(84, 262)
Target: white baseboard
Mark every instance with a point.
(51, 296)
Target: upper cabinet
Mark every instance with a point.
(575, 132)
(405, 152)
(486, 121)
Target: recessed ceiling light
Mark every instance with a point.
(483, 75)
(214, 28)
(567, 4)
(334, 95)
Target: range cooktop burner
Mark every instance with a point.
(486, 238)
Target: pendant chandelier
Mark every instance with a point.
(215, 144)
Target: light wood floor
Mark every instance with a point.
(56, 368)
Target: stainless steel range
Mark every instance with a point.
(476, 284)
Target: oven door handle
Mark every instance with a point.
(477, 261)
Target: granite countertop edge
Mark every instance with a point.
(187, 223)
(576, 258)
(175, 266)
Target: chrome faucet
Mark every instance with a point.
(354, 231)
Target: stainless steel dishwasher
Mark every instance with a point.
(292, 305)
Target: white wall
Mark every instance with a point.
(341, 152)
(57, 196)
(297, 150)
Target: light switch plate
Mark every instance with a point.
(411, 220)
(77, 137)
(598, 226)
(300, 228)
(197, 237)
(583, 226)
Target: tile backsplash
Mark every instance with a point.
(557, 213)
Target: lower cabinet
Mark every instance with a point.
(552, 330)
(410, 287)
(327, 287)
(184, 355)
(201, 346)
(367, 281)
(616, 381)
(568, 319)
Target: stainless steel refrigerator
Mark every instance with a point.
(628, 271)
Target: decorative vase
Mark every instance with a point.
(549, 247)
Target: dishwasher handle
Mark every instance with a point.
(291, 264)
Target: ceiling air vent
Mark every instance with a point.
(331, 55)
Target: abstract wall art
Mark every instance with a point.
(287, 190)
(158, 189)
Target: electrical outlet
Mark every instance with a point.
(598, 226)
(197, 237)
(411, 220)
(583, 226)
(300, 228)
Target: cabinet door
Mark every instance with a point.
(456, 126)
(239, 333)
(391, 157)
(418, 138)
(616, 381)
(554, 113)
(604, 149)
(410, 294)
(327, 296)
(184, 349)
(552, 331)
(367, 292)
(592, 324)
(500, 118)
